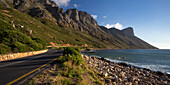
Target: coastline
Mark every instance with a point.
(125, 73)
(119, 61)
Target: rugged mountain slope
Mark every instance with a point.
(47, 29)
(127, 35)
(75, 27)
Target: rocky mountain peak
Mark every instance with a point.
(128, 31)
(86, 17)
(49, 2)
(73, 14)
(80, 16)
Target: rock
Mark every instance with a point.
(136, 82)
(113, 79)
(130, 83)
(165, 82)
(122, 74)
(108, 70)
(123, 64)
(120, 80)
(153, 81)
(114, 83)
(134, 78)
(164, 78)
(147, 69)
(115, 76)
(107, 80)
(147, 73)
(102, 79)
(103, 59)
(130, 79)
(105, 74)
(168, 75)
(159, 73)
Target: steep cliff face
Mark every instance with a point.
(79, 20)
(85, 22)
(128, 32)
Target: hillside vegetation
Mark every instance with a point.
(48, 30)
(14, 40)
(19, 39)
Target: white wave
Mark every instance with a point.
(168, 72)
(151, 67)
(164, 66)
(116, 61)
(95, 56)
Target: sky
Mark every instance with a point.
(149, 18)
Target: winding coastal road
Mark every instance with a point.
(13, 71)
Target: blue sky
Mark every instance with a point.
(149, 18)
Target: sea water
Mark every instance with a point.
(154, 59)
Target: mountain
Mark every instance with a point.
(49, 22)
(127, 35)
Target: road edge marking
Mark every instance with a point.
(30, 72)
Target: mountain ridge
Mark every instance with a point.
(78, 20)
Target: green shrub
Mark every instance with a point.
(74, 73)
(21, 47)
(92, 74)
(66, 82)
(98, 82)
(35, 45)
(41, 41)
(71, 54)
(5, 26)
(20, 42)
(65, 58)
(77, 49)
(31, 49)
(4, 49)
(71, 51)
(40, 46)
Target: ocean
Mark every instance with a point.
(153, 59)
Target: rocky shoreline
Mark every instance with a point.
(123, 74)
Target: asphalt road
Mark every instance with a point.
(13, 69)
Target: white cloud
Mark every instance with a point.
(75, 5)
(117, 25)
(104, 16)
(109, 25)
(62, 2)
(94, 16)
